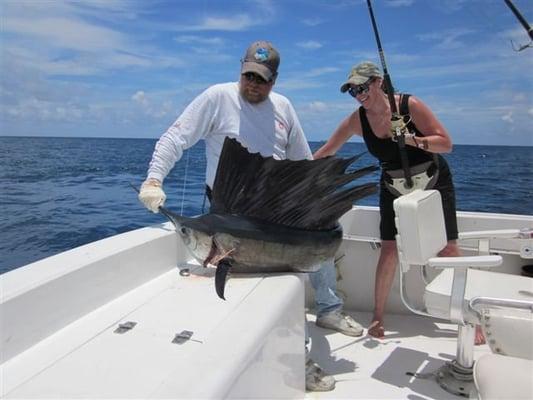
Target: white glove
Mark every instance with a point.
(152, 195)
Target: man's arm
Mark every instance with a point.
(192, 125)
(297, 145)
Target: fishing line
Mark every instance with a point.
(203, 202)
(184, 181)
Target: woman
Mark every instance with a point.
(427, 139)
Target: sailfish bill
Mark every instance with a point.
(271, 215)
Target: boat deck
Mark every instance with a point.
(368, 368)
(88, 359)
(59, 316)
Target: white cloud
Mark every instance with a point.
(318, 106)
(190, 39)
(297, 84)
(262, 12)
(66, 45)
(508, 117)
(238, 22)
(66, 33)
(333, 110)
(310, 45)
(446, 40)
(315, 72)
(153, 110)
(399, 3)
(140, 97)
(306, 80)
(520, 97)
(312, 21)
(45, 110)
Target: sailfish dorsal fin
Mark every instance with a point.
(303, 194)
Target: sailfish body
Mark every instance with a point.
(271, 215)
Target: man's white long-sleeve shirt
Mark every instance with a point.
(270, 128)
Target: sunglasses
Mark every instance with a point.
(251, 77)
(360, 89)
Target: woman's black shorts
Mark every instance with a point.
(444, 185)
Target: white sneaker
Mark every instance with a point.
(340, 322)
(316, 379)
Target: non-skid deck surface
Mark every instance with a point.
(368, 368)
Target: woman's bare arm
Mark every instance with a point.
(344, 131)
(436, 138)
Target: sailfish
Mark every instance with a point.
(271, 215)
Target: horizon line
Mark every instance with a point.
(147, 138)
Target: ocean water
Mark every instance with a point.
(60, 193)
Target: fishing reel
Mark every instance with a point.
(399, 127)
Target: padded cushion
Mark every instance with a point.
(478, 283)
(502, 377)
(420, 223)
(509, 331)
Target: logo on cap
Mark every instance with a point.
(261, 54)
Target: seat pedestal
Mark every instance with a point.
(456, 379)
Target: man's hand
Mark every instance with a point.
(152, 195)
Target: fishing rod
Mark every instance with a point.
(524, 23)
(398, 126)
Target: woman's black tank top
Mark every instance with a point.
(387, 151)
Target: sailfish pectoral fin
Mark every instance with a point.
(221, 273)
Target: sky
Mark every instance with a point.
(127, 68)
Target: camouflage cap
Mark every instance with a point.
(360, 73)
(261, 58)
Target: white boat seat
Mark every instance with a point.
(479, 283)
(503, 377)
(509, 332)
(507, 324)
(421, 237)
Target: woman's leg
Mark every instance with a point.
(385, 272)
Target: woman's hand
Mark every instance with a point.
(436, 138)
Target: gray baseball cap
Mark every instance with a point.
(360, 73)
(261, 58)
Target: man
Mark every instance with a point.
(264, 122)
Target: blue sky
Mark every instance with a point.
(124, 68)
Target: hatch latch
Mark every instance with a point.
(184, 336)
(125, 327)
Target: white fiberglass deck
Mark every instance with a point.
(368, 368)
(58, 317)
(87, 359)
